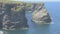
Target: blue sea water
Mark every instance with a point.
(53, 9)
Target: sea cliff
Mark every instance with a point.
(12, 14)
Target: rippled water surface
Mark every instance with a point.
(53, 9)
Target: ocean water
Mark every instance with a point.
(53, 9)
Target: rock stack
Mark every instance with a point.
(40, 15)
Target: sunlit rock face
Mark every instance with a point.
(12, 14)
(41, 16)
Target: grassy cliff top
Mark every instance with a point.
(9, 2)
(16, 2)
(20, 4)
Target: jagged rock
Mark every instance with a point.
(13, 14)
(41, 16)
(13, 19)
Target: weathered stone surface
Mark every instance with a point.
(41, 16)
(12, 14)
(12, 19)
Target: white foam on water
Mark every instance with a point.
(3, 32)
(52, 23)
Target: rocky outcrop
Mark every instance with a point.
(12, 14)
(12, 19)
(41, 16)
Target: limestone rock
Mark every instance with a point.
(12, 14)
(41, 16)
(12, 19)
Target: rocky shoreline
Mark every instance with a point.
(12, 14)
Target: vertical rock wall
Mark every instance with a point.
(11, 19)
(12, 15)
(40, 15)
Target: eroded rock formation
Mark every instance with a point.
(41, 16)
(12, 14)
(12, 19)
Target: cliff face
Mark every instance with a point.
(12, 14)
(41, 16)
(12, 19)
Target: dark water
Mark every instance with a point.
(54, 28)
